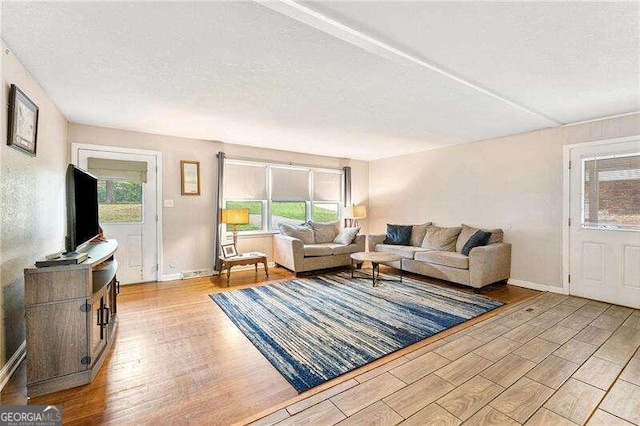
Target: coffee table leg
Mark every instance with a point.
(401, 272)
(266, 268)
(351, 267)
(375, 266)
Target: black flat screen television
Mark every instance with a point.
(82, 208)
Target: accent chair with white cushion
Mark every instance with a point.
(316, 245)
(439, 254)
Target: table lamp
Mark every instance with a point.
(235, 217)
(354, 213)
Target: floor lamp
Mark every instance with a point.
(354, 213)
(235, 217)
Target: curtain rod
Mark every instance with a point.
(285, 163)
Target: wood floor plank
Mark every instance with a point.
(558, 334)
(522, 399)
(536, 349)
(463, 369)
(523, 333)
(458, 347)
(553, 371)
(598, 372)
(432, 414)
(272, 419)
(608, 322)
(382, 369)
(489, 416)
(622, 401)
(631, 372)
(575, 401)
(488, 332)
(414, 397)
(324, 413)
(602, 418)
(575, 351)
(365, 394)
(544, 417)
(508, 370)
(497, 349)
(593, 335)
(321, 396)
(379, 414)
(467, 399)
(576, 321)
(419, 367)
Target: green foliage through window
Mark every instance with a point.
(119, 201)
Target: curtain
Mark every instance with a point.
(346, 187)
(245, 182)
(106, 168)
(289, 184)
(218, 213)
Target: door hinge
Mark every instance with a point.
(569, 278)
(569, 164)
(156, 218)
(569, 221)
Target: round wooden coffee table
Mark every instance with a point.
(376, 258)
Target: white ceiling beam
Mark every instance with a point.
(336, 29)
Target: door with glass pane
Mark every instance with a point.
(127, 209)
(604, 231)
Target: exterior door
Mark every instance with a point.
(604, 228)
(127, 209)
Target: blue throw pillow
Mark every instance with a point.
(398, 235)
(480, 238)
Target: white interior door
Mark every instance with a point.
(604, 231)
(127, 210)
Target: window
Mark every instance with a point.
(326, 212)
(611, 192)
(276, 194)
(119, 201)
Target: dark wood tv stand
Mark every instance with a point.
(71, 316)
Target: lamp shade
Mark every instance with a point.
(235, 216)
(355, 212)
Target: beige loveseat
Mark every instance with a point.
(315, 250)
(438, 254)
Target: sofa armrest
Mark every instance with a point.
(288, 252)
(360, 240)
(374, 239)
(489, 264)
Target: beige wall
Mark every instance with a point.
(513, 183)
(188, 227)
(32, 200)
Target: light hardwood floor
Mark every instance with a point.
(178, 359)
(551, 360)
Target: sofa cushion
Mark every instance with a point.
(399, 235)
(451, 259)
(342, 249)
(346, 236)
(467, 231)
(301, 232)
(478, 239)
(312, 250)
(405, 251)
(324, 232)
(417, 233)
(441, 239)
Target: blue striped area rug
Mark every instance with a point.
(315, 329)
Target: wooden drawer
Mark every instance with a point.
(43, 286)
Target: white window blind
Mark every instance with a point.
(327, 186)
(288, 184)
(245, 182)
(106, 168)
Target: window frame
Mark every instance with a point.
(267, 208)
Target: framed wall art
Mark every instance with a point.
(22, 131)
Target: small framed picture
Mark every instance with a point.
(23, 122)
(190, 177)
(229, 250)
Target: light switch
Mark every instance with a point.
(169, 203)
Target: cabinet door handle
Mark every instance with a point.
(99, 316)
(106, 311)
(117, 286)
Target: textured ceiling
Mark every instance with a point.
(244, 73)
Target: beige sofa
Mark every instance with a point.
(317, 252)
(483, 266)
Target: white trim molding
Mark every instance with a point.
(536, 286)
(12, 365)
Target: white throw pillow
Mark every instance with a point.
(346, 236)
(301, 232)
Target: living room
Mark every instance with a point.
(350, 113)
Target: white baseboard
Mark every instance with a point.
(196, 273)
(170, 277)
(12, 365)
(536, 286)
